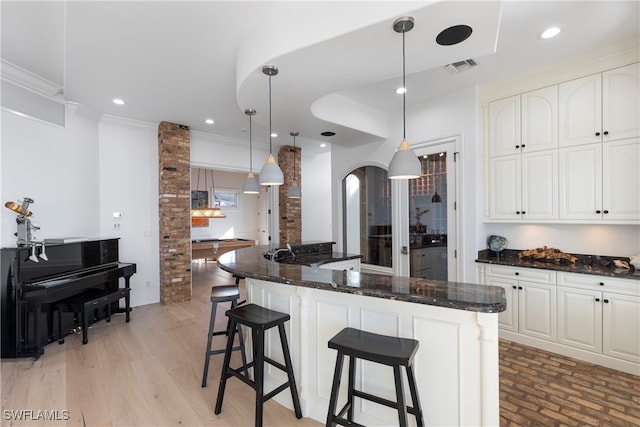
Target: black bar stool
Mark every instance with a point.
(259, 319)
(228, 293)
(390, 351)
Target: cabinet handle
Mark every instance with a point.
(515, 287)
(606, 132)
(523, 212)
(598, 212)
(601, 283)
(517, 146)
(606, 301)
(520, 287)
(517, 274)
(517, 212)
(597, 299)
(605, 212)
(523, 145)
(597, 133)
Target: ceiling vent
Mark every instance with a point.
(460, 66)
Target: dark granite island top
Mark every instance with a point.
(251, 262)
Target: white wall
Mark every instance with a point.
(128, 174)
(316, 196)
(58, 168)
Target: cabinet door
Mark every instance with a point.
(621, 180)
(540, 185)
(505, 182)
(580, 177)
(621, 103)
(580, 318)
(504, 126)
(540, 119)
(621, 327)
(508, 319)
(537, 315)
(580, 111)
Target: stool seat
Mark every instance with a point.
(255, 316)
(375, 347)
(225, 293)
(387, 350)
(259, 319)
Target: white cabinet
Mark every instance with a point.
(348, 265)
(599, 314)
(600, 181)
(600, 107)
(524, 123)
(531, 300)
(524, 186)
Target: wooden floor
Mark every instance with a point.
(148, 373)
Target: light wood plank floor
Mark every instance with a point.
(144, 373)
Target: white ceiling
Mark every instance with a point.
(339, 61)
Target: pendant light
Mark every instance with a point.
(270, 174)
(436, 198)
(208, 212)
(405, 163)
(250, 184)
(294, 191)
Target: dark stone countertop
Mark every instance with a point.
(598, 265)
(250, 262)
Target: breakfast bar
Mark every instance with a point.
(456, 324)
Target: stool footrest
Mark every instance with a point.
(381, 401)
(345, 422)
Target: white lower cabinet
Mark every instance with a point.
(531, 300)
(585, 316)
(600, 314)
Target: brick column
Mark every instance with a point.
(174, 206)
(290, 209)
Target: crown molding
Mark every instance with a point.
(30, 81)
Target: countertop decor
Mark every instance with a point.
(251, 262)
(600, 265)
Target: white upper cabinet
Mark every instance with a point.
(504, 126)
(600, 107)
(524, 123)
(540, 119)
(600, 181)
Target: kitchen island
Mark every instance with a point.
(456, 324)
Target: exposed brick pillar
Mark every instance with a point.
(174, 205)
(290, 209)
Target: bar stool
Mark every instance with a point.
(227, 293)
(259, 319)
(390, 351)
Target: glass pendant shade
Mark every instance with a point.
(294, 192)
(405, 163)
(271, 174)
(251, 184)
(436, 198)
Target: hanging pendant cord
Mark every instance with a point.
(294, 158)
(404, 92)
(270, 152)
(250, 145)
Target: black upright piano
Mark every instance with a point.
(30, 289)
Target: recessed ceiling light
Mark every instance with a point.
(118, 101)
(401, 90)
(323, 145)
(274, 135)
(209, 121)
(550, 32)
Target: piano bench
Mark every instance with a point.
(86, 303)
